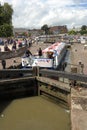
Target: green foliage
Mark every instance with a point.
(45, 28)
(84, 28)
(72, 32)
(6, 28)
(82, 32)
(29, 34)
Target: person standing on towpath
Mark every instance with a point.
(3, 64)
(28, 53)
(40, 52)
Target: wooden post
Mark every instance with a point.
(35, 71)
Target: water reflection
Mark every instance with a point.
(3, 105)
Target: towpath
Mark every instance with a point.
(78, 93)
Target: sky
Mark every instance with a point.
(33, 14)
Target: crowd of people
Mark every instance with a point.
(14, 43)
(11, 44)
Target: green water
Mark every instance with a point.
(33, 113)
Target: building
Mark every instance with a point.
(20, 31)
(36, 32)
(58, 29)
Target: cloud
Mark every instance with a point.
(36, 13)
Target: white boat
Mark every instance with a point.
(51, 58)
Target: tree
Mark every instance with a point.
(1, 16)
(45, 28)
(72, 32)
(84, 27)
(82, 32)
(6, 28)
(7, 13)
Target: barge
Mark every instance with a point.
(51, 57)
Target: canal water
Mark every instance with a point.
(33, 113)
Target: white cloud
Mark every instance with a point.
(36, 13)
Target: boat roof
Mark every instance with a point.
(58, 46)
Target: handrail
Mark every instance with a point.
(45, 73)
(68, 75)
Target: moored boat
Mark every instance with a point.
(51, 57)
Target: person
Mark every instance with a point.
(4, 64)
(28, 53)
(6, 48)
(40, 52)
(64, 64)
(14, 46)
(50, 54)
(14, 64)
